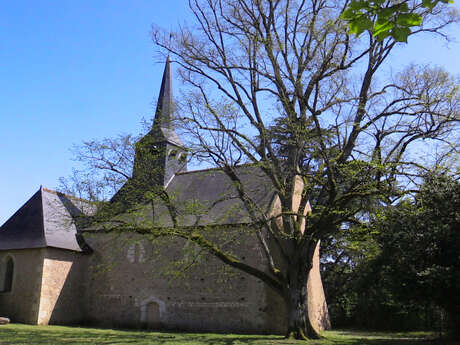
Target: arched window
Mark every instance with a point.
(7, 272)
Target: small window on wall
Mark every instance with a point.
(7, 272)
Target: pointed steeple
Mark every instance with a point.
(160, 154)
(165, 99)
(163, 123)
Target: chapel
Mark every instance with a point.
(57, 269)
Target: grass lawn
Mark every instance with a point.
(18, 334)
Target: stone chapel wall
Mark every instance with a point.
(21, 304)
(62, 290)
(131, 283)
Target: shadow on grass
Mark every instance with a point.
(17, 334)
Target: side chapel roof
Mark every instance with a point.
(47, 219)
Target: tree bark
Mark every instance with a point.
(296, 298)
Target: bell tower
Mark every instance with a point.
(160, 154)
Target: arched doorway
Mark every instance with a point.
(152, 310)
(152, 317)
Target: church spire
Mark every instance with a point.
(163, 123)
(163, 114)
(160, 154)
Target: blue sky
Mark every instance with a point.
(78, 70)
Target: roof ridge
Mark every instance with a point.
(52, 191)
(216, 168)
(196, 171)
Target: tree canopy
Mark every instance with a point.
(419, 242)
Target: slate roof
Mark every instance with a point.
(45, 220)
(209, 197)
(202, 198)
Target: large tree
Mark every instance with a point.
(284, 86)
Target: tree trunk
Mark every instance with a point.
(299, 325)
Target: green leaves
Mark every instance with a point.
(400, 34)
(385, 18)
(357, 27)
(409, 19)
(430, 4)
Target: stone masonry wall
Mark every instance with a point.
(21, 304)
(62, 288)
(128, 281)
(133, 283)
